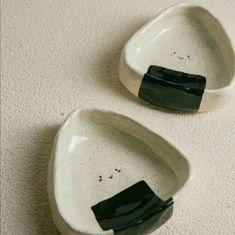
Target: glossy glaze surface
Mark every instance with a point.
(131, 207)
(172, 89)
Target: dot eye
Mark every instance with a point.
(174, 52)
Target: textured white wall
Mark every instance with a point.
(60, 55)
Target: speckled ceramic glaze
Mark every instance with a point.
(184, 38)
(102, 158)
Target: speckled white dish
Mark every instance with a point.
(185, 38)
(91, 144)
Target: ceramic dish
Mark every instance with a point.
(181, 60)
(109, 174)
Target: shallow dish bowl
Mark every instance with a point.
(184, 38)
(97, 155)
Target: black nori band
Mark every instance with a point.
(172, 89)
(131, 207)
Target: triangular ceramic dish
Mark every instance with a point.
(109, 174)
(184, 38)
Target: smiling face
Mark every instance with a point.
(181, 56)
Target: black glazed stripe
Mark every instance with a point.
(172, 89)
(131, 207)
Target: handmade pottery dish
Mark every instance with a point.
(181, 60)
(109, 174)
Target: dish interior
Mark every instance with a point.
(187, 39)
(91, 145)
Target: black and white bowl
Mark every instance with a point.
(181, 60)
(109, 174)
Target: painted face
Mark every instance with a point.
(180, 56)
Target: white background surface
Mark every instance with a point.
(61, 55)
